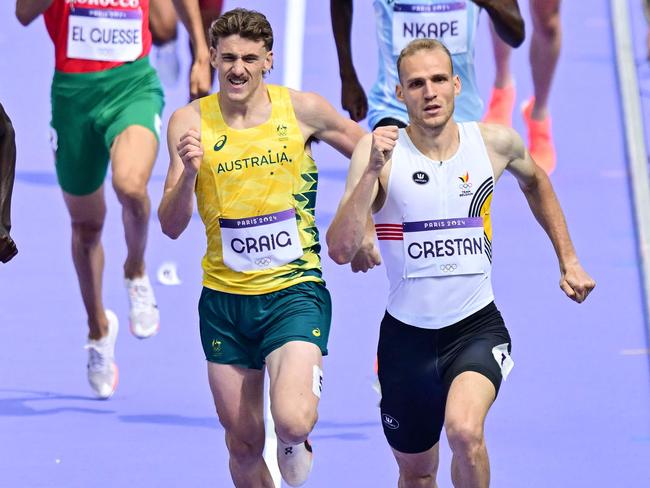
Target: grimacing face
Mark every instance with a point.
(240, 64)
(428, 87)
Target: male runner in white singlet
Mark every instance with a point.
(435, 236)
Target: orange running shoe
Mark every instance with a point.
(502, 101)
(540, 138)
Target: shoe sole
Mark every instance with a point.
(141, 336)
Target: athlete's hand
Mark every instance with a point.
(367, 257)
(576, 283)
(383, 143)
(200, 78)
(353, 99)
(7, 246)
(190, 151)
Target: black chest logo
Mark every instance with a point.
(421, 178)
(220, 142)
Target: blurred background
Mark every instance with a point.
(575, 411)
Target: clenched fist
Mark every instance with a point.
(383, 143)
(190, 151)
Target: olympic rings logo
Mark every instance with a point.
(263, 262)
(448, 268)
(465, 186)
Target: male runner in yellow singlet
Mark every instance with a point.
(245, 151)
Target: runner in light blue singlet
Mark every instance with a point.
(453, 22)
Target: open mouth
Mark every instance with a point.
(237, 82)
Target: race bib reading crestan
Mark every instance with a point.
(444, 247)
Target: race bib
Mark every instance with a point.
(446, 22)
(446, 247)
(104, 35)
(262, 242)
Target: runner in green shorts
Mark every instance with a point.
(245, 329)
(245, 155)
(106, 106)
(89, 110)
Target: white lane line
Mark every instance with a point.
(293, 43)
(635, 352)
(634, 135)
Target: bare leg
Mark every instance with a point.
(470, 397)
(502, 52)
(294, 374)
(133, 154)
(502, 98)
(238, 397)
(544, 51)
(293, 402)
(418, 470)
(87, 214)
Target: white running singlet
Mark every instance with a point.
(435, 232)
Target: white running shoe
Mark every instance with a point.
(144, 318)
(295, 462)
(102, 370)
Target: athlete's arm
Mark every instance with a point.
(506, 18)
(185, 155)
(353, 98)
(7, 168)
(28, 10)
(190, 15)
(349, 227)
(508, 151)
(318, 119)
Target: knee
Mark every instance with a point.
(465, 439)
(293, 426)
(87, 234)
(245, 449)
(547, 26)
(244, 437)
(131, 193)
(409, 479)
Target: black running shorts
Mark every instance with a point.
(417, 367)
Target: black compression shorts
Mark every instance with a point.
(417, 367)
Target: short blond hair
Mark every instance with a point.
(420, 45)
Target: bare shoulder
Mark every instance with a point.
(504, 147)
(502, 140)
(186, 117)
(187, 114)
(308, 106)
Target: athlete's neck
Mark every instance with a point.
(248, 112)
(438, 143)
